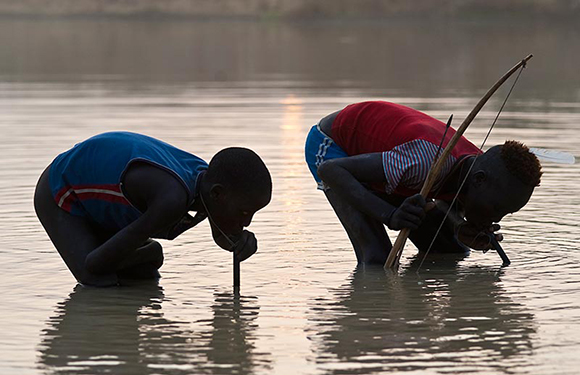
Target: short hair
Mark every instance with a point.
(241, 170)
(521, 162)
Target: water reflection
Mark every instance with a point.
(446, 317)
(124, 331)
(232, 336)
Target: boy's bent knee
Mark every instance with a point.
(154, 253)
(145, 271)
(145, 262)
(95, 265)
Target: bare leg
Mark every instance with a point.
(370, 240)
(367, 235)
(74, 237)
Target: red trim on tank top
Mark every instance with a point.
(104, 192)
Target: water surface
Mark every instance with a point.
(304, 307)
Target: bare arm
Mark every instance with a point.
(165, 202)
(185, 223)
(346, 177)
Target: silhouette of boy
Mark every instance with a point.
(372, 158)
(103, 201)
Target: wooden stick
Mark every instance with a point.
(397, 250)
(236, 271)
(499, 249)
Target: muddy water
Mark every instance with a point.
(304, 306)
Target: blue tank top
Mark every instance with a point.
(87, 179)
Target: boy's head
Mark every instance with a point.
(239, 185)
(501, 182)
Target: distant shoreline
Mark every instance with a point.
(288, 9)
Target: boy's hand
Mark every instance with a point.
(476, 238)
(245, 246)
(410, 213)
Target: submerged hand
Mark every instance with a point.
(410, 213)
(245, 246)
(475, 237)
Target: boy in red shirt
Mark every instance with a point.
(372, 158)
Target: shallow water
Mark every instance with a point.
(304, 307)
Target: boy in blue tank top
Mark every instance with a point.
(103, 201)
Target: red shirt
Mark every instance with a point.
(407, 138)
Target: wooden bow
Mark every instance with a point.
(397, 250)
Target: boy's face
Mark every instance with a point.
(232, 211)
(490, 200)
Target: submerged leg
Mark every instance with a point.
(367, 235)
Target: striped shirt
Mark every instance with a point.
(408, 165)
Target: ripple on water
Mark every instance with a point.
(303, 306)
